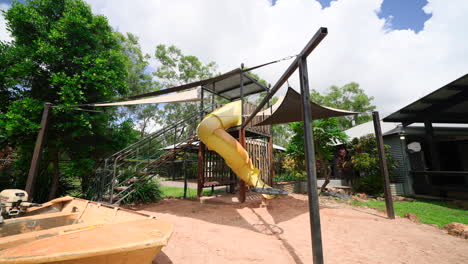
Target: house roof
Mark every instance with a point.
(368, 128)
(391, 128)
(448, 104)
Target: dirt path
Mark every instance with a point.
(235, 233)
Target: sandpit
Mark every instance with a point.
(219, 232)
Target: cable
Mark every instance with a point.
(271, 62)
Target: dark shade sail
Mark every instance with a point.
(289, 110)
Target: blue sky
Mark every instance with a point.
(402, 14)
(391, 63)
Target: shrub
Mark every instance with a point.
(365, 165)
(288, 177)
(145, 193)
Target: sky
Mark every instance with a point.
(397, 50)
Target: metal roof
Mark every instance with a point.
(448, 104)
(229, 87)
(391, 128)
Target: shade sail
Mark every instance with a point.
(187, 96)
(289, 109)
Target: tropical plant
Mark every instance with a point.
(326, 135)
(365, 165)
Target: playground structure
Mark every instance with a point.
(125, 171)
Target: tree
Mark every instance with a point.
(139, 81)
(326, 134)
(64, 54)
(348, 97)
(177, 69)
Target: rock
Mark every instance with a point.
(413, 218)
(380, 198)
(362, 196)
(457, 229)
(399, 198)
(461, 204)
(337, 195)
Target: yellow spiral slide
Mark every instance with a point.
(212, 132)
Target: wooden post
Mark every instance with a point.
(271, 160)
(201, 167)
(433, 153)
(242, 185)
(184, 168)
(36, 158)
(314, 209)
(383, 165)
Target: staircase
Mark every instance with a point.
(125, 171)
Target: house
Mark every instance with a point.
(434, 130)
(452, 138)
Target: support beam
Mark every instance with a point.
(271, 160)
(201, 166)
(255, 81)
(36, 158)
(432, 147)
(383, 165)
(242, 186)
(313, 43)
(314, 209)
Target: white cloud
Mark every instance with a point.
(4, 34)
(394, 66)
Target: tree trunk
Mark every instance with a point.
(55, 179)
(327, 173)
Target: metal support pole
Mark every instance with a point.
(201, 154)
(242, 186)
(432, 147)
(383, 165)
(36, 158)
(314, 209)
(311, 45)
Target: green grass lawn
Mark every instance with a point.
(179, 192)
(430, 212)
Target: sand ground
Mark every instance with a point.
(218, 232)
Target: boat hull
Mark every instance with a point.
(72, 230)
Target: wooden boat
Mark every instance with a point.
(72, 230)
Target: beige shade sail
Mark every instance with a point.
(187, 96)
(289, 109)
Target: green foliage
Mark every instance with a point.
(348, 97)
(146, 193)
(64, 54)
(139, 81)
(429, 211)
(177, 192)
(365, 165)
(284, 177)
(326, 134)
(176, 69)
